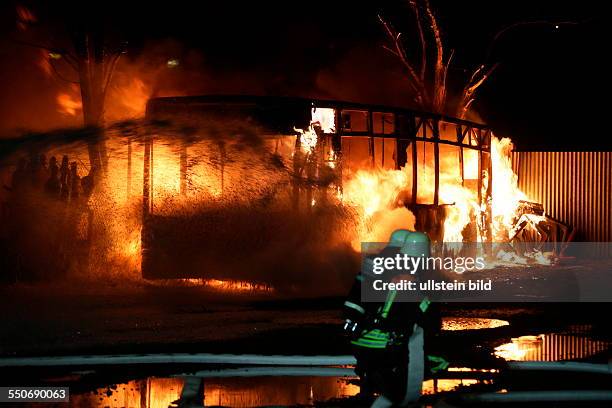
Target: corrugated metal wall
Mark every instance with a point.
(574, 187)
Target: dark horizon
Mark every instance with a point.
(545, 94)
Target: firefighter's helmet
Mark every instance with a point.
(399, 237)
(416, 244)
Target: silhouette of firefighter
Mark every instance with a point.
(52, 185)
(389, 338)
(45, 204)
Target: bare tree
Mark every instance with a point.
(89, 61)
(95, 64)
(428, 77)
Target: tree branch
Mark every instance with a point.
(438, 102)
(502, 31)
(60, 76)
(417, 17)
(399, 51)
(477, 79)
(109, 74)
(445, 74)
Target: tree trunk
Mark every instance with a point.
(89, 48)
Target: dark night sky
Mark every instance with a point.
(546, 94)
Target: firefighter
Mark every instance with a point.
(388, 338)
(53, 185)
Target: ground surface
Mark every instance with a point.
(139, 317)
(131, 318)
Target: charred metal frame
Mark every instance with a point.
(410, 127)
(413, 126)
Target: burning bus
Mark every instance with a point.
(437, 169)
(269, 189)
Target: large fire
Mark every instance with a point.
(376, 193)
(376, 196)
(188, 179)
(506, 194)
(126, 100)
(379, 194)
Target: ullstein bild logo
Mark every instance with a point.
(433, 285)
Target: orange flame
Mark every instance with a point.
(68, 104)
(375, 196)
(378, 192)
(506, 194)
(324, 118)
(129, 99)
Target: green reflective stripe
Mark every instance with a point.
(369, 343)
(359, 278)
(424, 305)
(376, 334)
(375, 338)
(388, 303)
(442, 364)
(354, 306)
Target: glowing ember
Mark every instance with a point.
(236, 286)
(228, 285)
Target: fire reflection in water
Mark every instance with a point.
(262, 391)
(471, 323)
(149, 393)
(238, 392)
(229, 392)
(551, 347)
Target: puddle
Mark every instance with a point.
(228, 392)
(571, 345)
(156, 392)
(249, 392)
(471, 323)
(280, 390)
(443, 385)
